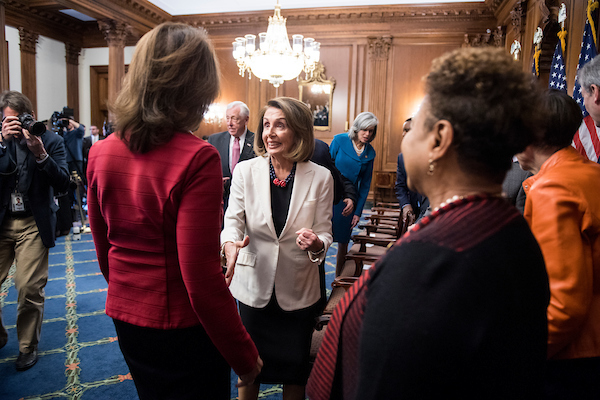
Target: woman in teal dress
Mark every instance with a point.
(353, 156)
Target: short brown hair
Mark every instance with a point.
(17, 101)
(300, 121)
(172, 79)
(492, 104)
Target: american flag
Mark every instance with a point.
(586, 139)
(558, 78)
(534, 70)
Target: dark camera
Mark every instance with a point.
(107, 128)
(34, 127)
(60, 120)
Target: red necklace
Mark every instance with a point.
(278, 182)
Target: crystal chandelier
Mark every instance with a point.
(215, 114)
(274, 59)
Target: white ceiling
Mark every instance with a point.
(184, 7)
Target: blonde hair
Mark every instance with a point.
(172, 79)
(300, 121)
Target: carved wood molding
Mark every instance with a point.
(379, 47)
(518, 16)
(28, 40)
(72, 53)
(345, 15)
(22, 9)
(115, 32)
(144, 8)
(494, 38)
(494, 5)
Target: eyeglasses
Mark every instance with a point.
(233, 119)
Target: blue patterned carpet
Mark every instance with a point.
(79, 353)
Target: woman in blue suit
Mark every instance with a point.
(353, 156)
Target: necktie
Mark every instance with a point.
(235, 153)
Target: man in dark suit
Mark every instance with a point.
(412, 203)
(88, 141)
(236, 144)
(32, 168)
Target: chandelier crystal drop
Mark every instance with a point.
(274, 59)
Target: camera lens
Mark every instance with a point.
(34, 127)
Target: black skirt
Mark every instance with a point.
(180, 364)
(283, 340)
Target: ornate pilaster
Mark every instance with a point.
(379, 47)
(4, 79)
(115, 34)
(72, 53)
(379, 53)
(27, 44)
(518, 15)
(28, 41)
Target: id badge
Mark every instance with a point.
(16, 202)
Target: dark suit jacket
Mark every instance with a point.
(221, 142)
(87, 145)
(344, 189)
(512, 186)
(42, 180)
(403, 193)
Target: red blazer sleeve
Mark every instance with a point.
(199, 216)
(97, 223)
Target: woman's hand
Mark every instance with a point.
(355, 219)
(231, 251)
(349, 207)
(248, 379)
(308, 240)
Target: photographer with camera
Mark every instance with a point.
(72, 132)
(32, 168)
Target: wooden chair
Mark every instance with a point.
(367, 248)
(340, 285)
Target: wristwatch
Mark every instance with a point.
(42, 157)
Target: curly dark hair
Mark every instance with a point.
(492, 104)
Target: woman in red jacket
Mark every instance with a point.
(154, 198)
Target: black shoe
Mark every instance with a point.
(3, 342)
(26, 360)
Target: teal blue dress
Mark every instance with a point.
(359, 170)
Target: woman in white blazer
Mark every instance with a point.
(276, 232)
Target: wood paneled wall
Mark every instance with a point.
(377, 57)
(388, 84)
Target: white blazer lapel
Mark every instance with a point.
(302, 183)
(262, 187)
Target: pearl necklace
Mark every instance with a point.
(451, 200)
(457, 198)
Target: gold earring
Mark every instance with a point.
(431, 167)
